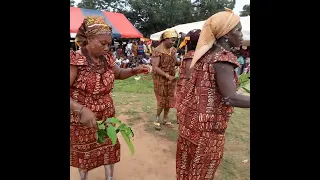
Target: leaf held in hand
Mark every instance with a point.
(111, 131)
(101, 137)
(101, 126)
(128, 141)
(107, 129)
(114, 121)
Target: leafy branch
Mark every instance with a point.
(110, 128)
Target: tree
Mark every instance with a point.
(151, 16)
(88, 4)
(72, 3)
(106, 5)
(245, 10)
(206, 8)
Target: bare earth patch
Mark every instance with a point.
(154, 157)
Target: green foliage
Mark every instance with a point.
(72, 3)
(110, 128)
(151, 16)
(130, 85)
(245, 10)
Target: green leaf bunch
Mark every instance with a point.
(110, 128)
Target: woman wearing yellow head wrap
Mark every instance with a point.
(163, 64)
(209, 98)
(190, 41)
(92, 75)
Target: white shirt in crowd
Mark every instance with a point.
(144, 48)
(126, 61)
(118, 61)
(146, 60)
(129, 46)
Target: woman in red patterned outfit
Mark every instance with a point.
(209, 98)
(92, 74)
(190, 41)
(163, 64)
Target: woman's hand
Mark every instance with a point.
(171, 78)
(142, 69)
(88, 118)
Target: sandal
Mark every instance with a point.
(168, 124)
(156, 124)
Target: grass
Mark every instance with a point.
(136, 100)
(130, 85)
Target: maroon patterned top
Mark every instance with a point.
(183, 76)
(202, 109)
(92, 88)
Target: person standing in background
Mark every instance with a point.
(247, 68)
(135, 48)
(241, 62)
(163, 74)
(190, 40)
(141, 49)
(129, 48)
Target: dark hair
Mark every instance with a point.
(161, 38)
(194, 37)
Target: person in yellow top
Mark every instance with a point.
(163, 65)
(134, 48)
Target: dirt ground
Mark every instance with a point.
(153, 158)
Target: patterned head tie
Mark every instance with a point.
(91, 26)
(169, 33)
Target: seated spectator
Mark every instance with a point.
(146, 59)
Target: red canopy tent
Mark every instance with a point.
(121, 26)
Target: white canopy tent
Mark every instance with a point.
(73, 35)
(185, 28)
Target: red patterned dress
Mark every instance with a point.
(203, 118)
(183, 76)
(164, 90)
(92, 89)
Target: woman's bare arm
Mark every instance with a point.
(121, 73)
(74, 106)
(225, 80)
